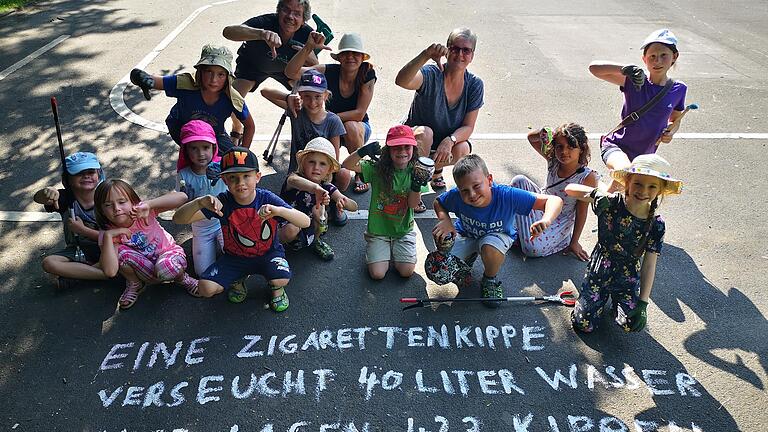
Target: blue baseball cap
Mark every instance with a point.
(313, 81)
(81, 161)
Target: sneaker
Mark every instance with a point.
(491, 289)
(279, 303)
(238, 291)
(337, 217)
(322, 249)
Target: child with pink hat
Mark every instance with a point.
(197, 175)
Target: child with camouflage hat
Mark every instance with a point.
(208, 96)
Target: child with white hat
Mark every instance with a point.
(309, 190)
(630, 237)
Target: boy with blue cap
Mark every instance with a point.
(75, 202)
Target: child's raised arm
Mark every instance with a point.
(294, 68)
(539, 139)
(551, 205)
(108, 260)
(608, 71)
(190, 212)
(352, 162)
(290, 214)
(343, 201)
(169, 201)
(276, 96)
(48, 197)
(249, 128)
(580, 192)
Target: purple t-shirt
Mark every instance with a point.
(640, 137)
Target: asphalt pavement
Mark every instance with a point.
(344, 356)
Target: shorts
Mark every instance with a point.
(243, 71)
(91, 251)
(465, 247)
(229, 268)
(384, 248)
(607, 148)
(304, 238)
(366, 134)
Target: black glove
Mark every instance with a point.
(144, 81)
(213, 172)
(372, 150)
(637, 319)
(635, 74)
(417, 183)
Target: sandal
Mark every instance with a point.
(438, 182)
(131, 294)
(279, 303)
(322, 249)
(237, 138)
(360, 186)
(421, 208)
(238, 291)
(190, 284)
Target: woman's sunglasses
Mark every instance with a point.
(462, 50)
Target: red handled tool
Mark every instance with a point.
(566, 298)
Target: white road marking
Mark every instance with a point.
(118, 102)
(19, 64)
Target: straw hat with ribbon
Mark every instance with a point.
(651, 165)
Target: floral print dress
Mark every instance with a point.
(614, 269)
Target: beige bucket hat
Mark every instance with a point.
(320, 145)
(351, 42)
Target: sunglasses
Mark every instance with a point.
(294, 13)
(462, 50)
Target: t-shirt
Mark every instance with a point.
(191, 106)
(246, 234)
(195, 186)
(255, 55)
(498, 216)
(337, 103)
(68, 201)
(430, 106)
(640, 137)
(304, 130)
(389, 214)
(149, 239)
(304, 201)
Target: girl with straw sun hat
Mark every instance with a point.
(310, 190)
(630, 237)
(350, 82)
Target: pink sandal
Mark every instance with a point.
(131, 293)
(190, 284)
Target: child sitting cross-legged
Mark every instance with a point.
(485, 222)
(249, 220)
(310, 190)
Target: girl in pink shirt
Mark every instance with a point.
(134, 244)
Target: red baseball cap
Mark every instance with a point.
(400, 135)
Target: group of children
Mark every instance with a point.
(239, 229)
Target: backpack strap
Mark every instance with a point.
(635, 115)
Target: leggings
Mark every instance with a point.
(167, 267)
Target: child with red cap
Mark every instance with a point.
(395, 192)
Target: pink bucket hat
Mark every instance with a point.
(196, 130)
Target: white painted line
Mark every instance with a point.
(34, 216)
(116, 94)
(19, 64)
(118, 102)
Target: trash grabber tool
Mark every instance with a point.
(79, 255)
(677, 122)
(566, 298)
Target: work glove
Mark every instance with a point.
(372, 150)
(144, 81)
(635, 74)
(420, 177)
(213, 172)
(638, 317)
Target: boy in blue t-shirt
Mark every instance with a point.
(249, 221)
(485, 219)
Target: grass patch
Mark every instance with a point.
(9, 5)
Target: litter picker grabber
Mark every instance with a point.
(79, 255)
(566, 298)
(677, 122)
